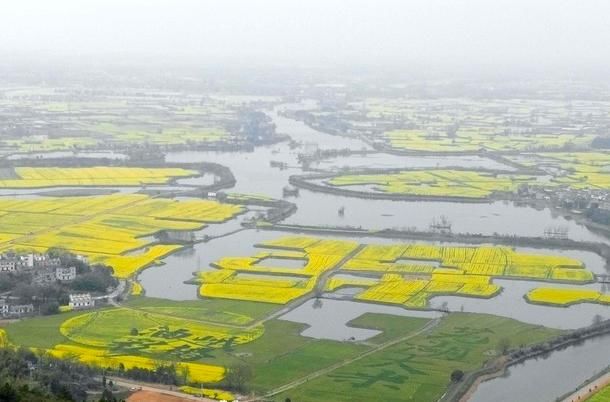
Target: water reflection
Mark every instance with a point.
(543, 379)
(328, 319)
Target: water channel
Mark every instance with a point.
(535, 380)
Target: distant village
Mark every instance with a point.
(47, 283)
(593, 204)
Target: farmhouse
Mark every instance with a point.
(18, 310)
(8, 265)
(65, 274)
(4, 308)
(81, 301)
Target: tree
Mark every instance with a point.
(238, 377)
(107, 396)
(8, 393)
(457, 375)
(49, 308)
(504, 345)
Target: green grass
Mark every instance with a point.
(601, 396)
(391, 325)
(282, 355)
(414, 370)
(39, 332)
(419, 369)
(224, 311)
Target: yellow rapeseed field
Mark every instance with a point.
(108, 229)
(320, 255)
(217, 394)
(198, 372)
(566, 296)
(406, 274)
(39, 177)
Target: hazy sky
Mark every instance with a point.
(543, 33)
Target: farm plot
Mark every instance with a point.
(496, 261)
(321, 256)
(462, 271)
(435, 183)
(39, 177)
(581, 170)
(133, 332)
(167, 136)
(566, 296)
(475, 139)
(403, 274)
(107, 229)
(133, 338)
(419, 369)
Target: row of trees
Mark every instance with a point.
(26, 376)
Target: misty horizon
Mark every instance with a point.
(558, 38)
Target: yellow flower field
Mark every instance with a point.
(3, 338)
(39, 177)
(108, 229)
(320, 255)
(136, 289)
(406, 274)
(494, 261)
(566, 297)
(217, 394)
(144, 338)
(198, 372)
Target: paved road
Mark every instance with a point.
(588, 390)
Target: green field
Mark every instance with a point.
(392, 326)
(601, 396)
(419, 369)
(222, 311)
(435, 183)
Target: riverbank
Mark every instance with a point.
(462, 391)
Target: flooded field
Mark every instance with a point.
(265, 172)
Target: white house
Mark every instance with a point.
(4, 308)
(81, 301)
(17, 310)
(65, 273)
(8, 265)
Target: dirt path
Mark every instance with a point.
(431, 324)
(588, 390)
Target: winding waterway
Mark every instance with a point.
(535, 380)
